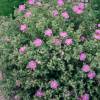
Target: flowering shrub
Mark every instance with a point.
(51, 51)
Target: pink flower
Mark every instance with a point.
(23, 27)
(63, 34)
(28, 14)
(21, 7)
(98, 25)
(68, 41)
(48, 32)
(31, 2)
(81, 6)
(85, 97)
(57, 41)
(39, 93)
(22, 49)
(91, 75)
(55, 13)
(54, 84)
(97, 37)
(60, 2)
(82, 56)
(16, 97)
(37, 42)
(97, 31)
(65, 14)
(77, 10)
(82, 38)
(86, 68)
(32, 65)
(97, 34)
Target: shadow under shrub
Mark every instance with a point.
(40, 62)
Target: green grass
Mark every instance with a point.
(7, 6)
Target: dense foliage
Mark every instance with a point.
(96, 8)
(51, 51)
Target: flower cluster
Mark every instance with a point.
(57, 52)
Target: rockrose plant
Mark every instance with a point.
(51, 51)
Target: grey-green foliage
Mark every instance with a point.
(56, 62)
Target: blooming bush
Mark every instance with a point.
(51, 51)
